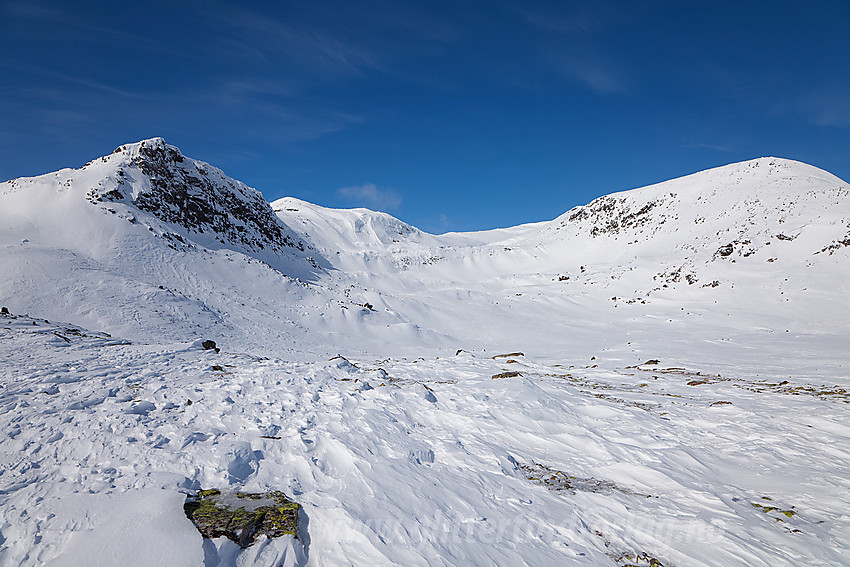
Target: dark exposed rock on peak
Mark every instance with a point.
(610, 215)
(197, 197)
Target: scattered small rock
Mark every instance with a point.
(558, 481)
(210, 345)
(508, 355)
(505, 375)
(638, 560)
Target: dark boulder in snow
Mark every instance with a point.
(242, 516)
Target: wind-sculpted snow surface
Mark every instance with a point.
(412, 462)
(659, 377)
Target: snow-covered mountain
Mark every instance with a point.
(762, 242)
(181, 200)
(679, 371)
(145, 243)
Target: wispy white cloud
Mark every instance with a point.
(574, 41)
(247, 91)
(578, 18)
(828, 108)
(267, 110)
(28, 11)
(47, 73)
(308, 46)
(370, 196)
(592, 71)
(77, 27)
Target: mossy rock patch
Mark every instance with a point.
(510, 374)
(242, 516)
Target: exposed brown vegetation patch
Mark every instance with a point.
(508, 355)
(510, 374)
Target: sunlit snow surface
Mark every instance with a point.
(670, 402)
(415, 462)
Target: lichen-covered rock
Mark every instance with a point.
(511, 374)
(242, 516)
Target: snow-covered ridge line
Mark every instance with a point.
(762, 214)
(205, 201)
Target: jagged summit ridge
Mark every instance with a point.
(157, 178)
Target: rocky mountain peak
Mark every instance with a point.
(211, 207)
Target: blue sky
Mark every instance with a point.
(449, 115)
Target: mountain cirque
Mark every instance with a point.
(676, 391)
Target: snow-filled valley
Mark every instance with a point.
(659, 377)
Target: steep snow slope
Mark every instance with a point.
(681, 398)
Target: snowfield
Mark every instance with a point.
(658, 378)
